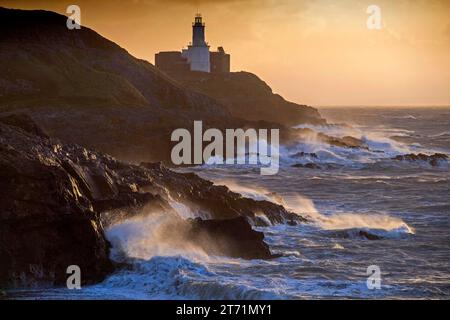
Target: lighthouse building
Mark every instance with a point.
(197, 52)
(196, 57)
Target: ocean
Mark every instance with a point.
(352, 195)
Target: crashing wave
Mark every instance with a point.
(444, 134)
(370, 234)
(176, 277)
(313, 152)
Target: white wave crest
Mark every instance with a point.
(347, 221)
(377, 145)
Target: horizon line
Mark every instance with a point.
(381, 106)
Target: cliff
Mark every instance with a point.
(248, 97)
(45, 64)
(85, 89)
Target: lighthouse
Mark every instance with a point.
(196, 57)
(197, 52)
(198, 32)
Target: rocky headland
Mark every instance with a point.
(58, 198)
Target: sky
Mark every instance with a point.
(315, 52)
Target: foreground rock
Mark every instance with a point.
(47, 222)
(434, 160)
(53, 196)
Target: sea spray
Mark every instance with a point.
(338, 221)
(155, 234)
(163, 264)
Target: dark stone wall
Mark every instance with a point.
(171, 61)
(220, 61)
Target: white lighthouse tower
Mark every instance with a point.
(197, 53)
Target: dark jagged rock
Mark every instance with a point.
(305, 154)
(53, 195)
(356, 233)
(368, 235)
(231, 237)
(434, 160)
(344, 142)
(46, 223)
(308, 165)
(307, 134)
(211, 201)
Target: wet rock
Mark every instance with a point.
(230, 237)
(355, 234)
(434, 160)
(344, 142)
(291, 223)
(368, 235)
(212, 201)
(308, 165)
(54, 196)
(305, 154)
(47, 222)
(307, 134)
